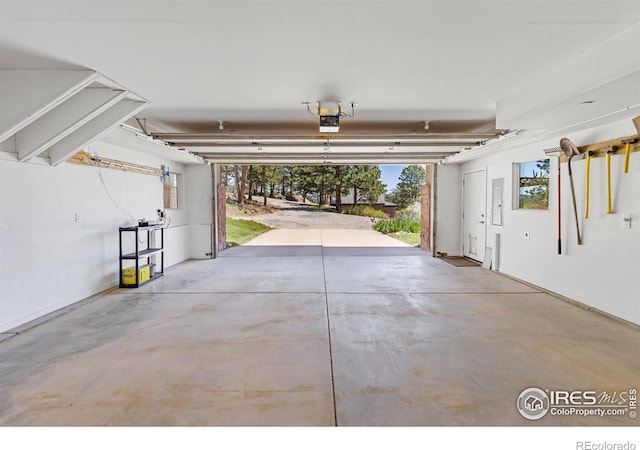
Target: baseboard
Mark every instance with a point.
(573, 302)
(57, 313)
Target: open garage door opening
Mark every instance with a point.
(385, 205)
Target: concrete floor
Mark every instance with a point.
(346, 328)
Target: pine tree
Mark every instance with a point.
(407, 191)
(364, 182)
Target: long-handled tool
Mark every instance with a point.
(608, 151)
(570, 150)
(557, 151)
(628, 142)
(587, 170)
(627, 152)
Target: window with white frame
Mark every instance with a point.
(532, 185)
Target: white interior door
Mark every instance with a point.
(475, 210)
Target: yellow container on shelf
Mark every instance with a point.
(145, 273)
(129, 274)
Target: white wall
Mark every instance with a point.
(199, 204)
(603, 272)
(448, 217)
(47, 259)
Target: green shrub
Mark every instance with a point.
(366, 211)
(396, 225)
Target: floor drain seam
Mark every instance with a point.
(326, 302)
(221, 292)
(432, 293)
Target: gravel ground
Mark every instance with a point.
(294, 215)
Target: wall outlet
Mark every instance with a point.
(77, 217)
(626, 221)
(526, 235)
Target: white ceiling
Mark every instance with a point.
(256, 61)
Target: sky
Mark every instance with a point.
(390, 174)
(529, 168)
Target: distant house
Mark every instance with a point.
(381, 204)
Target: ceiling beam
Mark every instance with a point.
(225, 137)
(321, 155)
(128, 138)
(64, 120)
(332, 144)
(93, 129)
(27, 95)
(289, 159)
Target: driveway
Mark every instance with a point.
(296, 215)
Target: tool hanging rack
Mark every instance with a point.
(90, 160)
(623, 146)
(598, 149)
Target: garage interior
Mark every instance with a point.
(309, 329)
